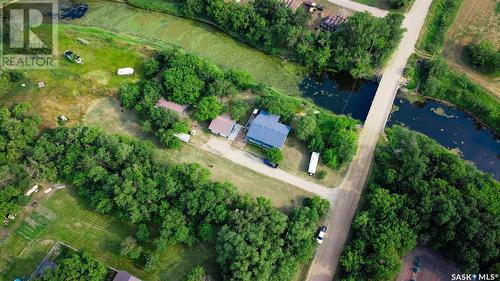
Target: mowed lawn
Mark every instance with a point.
(162, 29)
(64, 216)
(106, 114)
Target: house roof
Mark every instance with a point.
(222, 125)
(266, 129)
(163, 103)
(125, 276)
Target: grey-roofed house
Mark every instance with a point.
(266, 131)
(125, 276)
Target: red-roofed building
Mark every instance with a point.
(125, 276)
(179, 108)
(222, 126)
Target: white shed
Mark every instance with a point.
(183, 137)
(313, 163)
(125, 71)
(33, 189)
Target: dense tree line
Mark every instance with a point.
(178, 204)
(421, 192)
(440, 82)
(483, 56)
(18, 132)
(359, 46)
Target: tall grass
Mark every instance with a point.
(441, 15)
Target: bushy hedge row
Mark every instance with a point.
(439, 19)
(422, 192)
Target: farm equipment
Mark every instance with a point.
(72, 57)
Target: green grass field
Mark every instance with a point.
(77, 225)
(71, 88)
(165, 30)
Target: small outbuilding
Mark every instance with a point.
(125, 276)
(266, 131)
(183, 137)
(179, 108)
(125, 71)
(222, 126)
(313, 163)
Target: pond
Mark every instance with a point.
(449, 126)
(453, 129)
(340, 93)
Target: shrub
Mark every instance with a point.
(274, 155)
(142, 233)
(196, 274)
(305, 127)
(151, 67)
(208, 108)
(483, 56)
(321, 174)
(130, 249)
(129, 95)
(238, 109)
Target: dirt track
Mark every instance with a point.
(360, 7)
(325, 262)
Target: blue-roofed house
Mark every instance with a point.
(266, 131)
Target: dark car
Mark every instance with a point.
(270, 164)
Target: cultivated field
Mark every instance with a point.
(476, 20)
(163, 30)
(64, 216)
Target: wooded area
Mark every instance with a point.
(119, 176)
(422, 193)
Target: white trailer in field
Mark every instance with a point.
(125, 71)
(313, 163)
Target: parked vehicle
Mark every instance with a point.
(270, 164)
(321, 234)
(72, 57)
